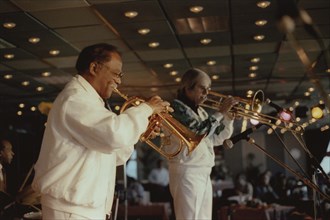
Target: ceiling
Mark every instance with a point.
(70, 25)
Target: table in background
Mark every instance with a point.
(274, 212)
(152, 211)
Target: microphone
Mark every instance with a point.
(272, 104)
(229, 143)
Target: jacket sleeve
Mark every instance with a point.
(223, 131)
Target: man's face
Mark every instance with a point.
(108, 76)
(7, 154)
(200, 91)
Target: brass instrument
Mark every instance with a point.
(251, 109)
(185, 136)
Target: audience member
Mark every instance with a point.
(6, 156)
(135, 191)
(264, 191)
(159, 175)
(243, 188)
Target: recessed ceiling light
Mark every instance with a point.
(25, 83)
(154, 89)
(9, 25)
(261, 22)
(211, 62)
(144, 31)
(328, 70)
(9, 56)
(45, 74)
(54, 52)
(21, 105)
(178, 79)
(131, 14)
(168, 65)
(40, 88)
(153, 44)
(205, 41)
(307, 93)
(311, 89)
(253, 68)
(296, 103)
(34, 40)
(259, 37)
(249, 92)
(8, 76)
(33, 108)
(174, 73)
(252, 75)
(196, 9)
(215, 77)
(255, 60)
(19, 112)
(263, 4)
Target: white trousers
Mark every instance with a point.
(52, 214)
(192, 195)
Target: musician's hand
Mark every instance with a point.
(158, 105)
(155, 132)
(226, 106)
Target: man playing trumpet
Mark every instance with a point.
(190, 182)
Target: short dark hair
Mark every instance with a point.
(97, 52)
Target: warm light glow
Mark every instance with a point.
(255, 60)
(153, 44)
(307, 93)
(317, 112)
(25, 83)
(249, 92)
(9, 25)
(328, 70)
(215, 77)
(33, 108)
(298, 119)
(205, 41)
(40, 88)
(8, 76)
(117, 107)
(34, 40)
(325, 127)
(196, 9)
(261, 22)
(254, 121)
(263, 4)
(178, 79)
(144, 31)
(21, 105)
(19, 112)
(174, 73)
(131, 14)
(211, 62)
(168, 65)
(54, 52)
(259, 37)
(45, 74)
(286, 116)
(252, 75)
(253, 68)
(296, 103)
(269, 131)
(9, 56)
(154, 89)
(311, 89)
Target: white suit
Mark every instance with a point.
(190, 182)
(82, 145)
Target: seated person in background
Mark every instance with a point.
(264, 191)
(159, 175)
(243, 188)
(135, 191)
(6, 156)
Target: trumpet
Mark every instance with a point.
(251, 109)
(185, 136)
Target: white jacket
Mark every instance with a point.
(82, 145)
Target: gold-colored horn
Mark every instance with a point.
(186, 137)
(251, 109)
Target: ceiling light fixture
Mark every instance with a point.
(168, 65)
(261, 22)
(259, 37)
(215, 77)
(253, 68)
(252, 75)
(54, 52)
(46, 74)
(205, 41)
(33, 108)
(174, 73)
(307, 93)
(131, 14)
(9, 56)
(153, 44)
(263, 4)
(311, 89)
(9, 25)
(328, 70)
(196, 9)
(21, 105)
(144, 31)
(178, 79)
(34, 40)
(19, 113)
(8, 76)
(255, 60)
(25, 83)
(40, 88)
(211, 62)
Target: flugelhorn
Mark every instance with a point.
(251, 109)
(186, 137)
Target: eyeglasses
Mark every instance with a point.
(118, 75)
